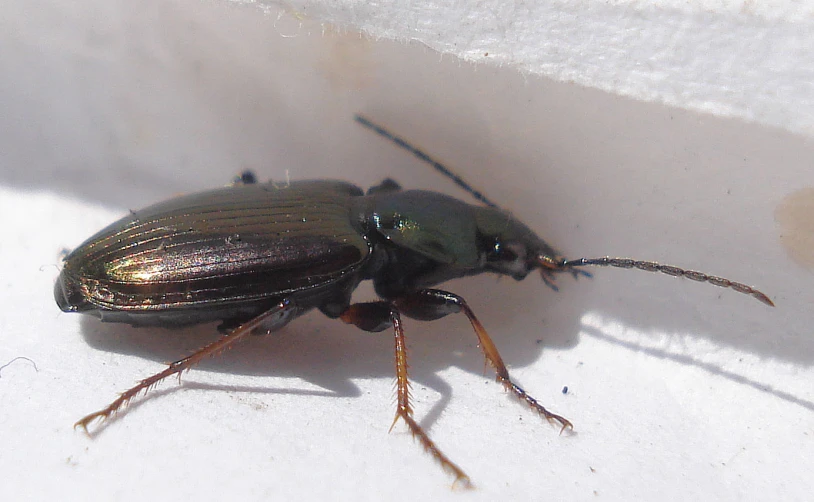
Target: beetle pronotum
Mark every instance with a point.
(256, 256)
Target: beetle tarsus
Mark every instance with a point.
(86, 421)
(524, 396)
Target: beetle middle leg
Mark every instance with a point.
(429, 305)
(377, 316)
(274, 318)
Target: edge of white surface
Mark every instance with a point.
(731, 59)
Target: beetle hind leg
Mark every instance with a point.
(278, 316)
(378, 316)
(431, 304)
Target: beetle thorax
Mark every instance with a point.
(421, 239)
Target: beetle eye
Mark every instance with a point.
(508, 259)
(502, 253)
(508, 252)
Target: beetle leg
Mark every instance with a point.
(377, 316)
(431, 304)
(247, 177)
(277, 316)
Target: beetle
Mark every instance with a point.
(255, 256)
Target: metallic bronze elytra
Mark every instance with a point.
(256, 256)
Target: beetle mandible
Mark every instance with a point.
(256, 256)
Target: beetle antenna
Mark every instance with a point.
(651, 266)
(441, 168)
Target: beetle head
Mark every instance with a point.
(511, 248)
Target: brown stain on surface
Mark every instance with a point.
(795, 214)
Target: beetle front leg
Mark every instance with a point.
(431, 304)
(375, 317)
(274, 318)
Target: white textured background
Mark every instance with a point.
(677, 390)
(745, 59)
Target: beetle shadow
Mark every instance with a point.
(711, 368)
(331, 355)
(650, 315)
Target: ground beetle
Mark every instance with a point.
(256, 256)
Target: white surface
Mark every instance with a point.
(677, 390)
(733, 58)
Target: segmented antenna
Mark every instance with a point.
(651, 266)
(441, 168)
